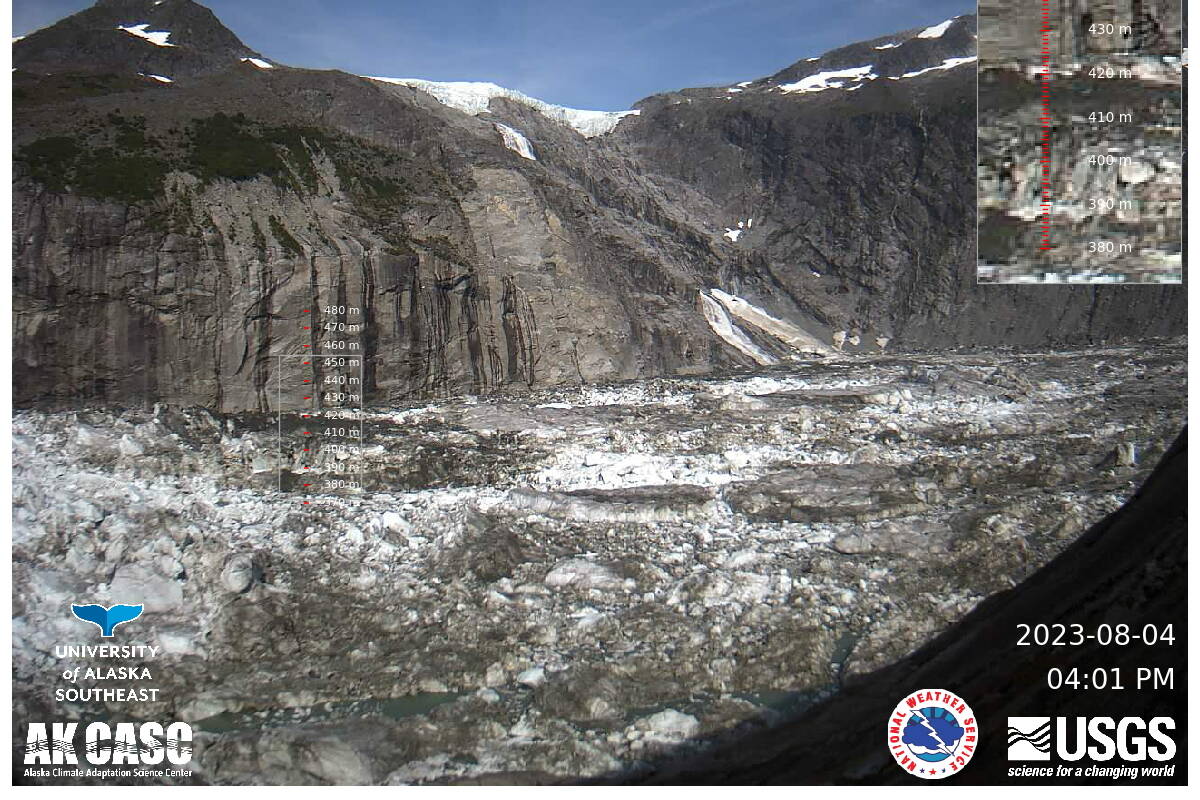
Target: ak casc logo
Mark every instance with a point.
(932, 734)
(106, 618)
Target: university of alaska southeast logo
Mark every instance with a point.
(106, 618)
(932, 734)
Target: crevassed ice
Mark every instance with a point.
(935, 31)
(948, 63)
(474, 98)
(834, 79)
(515, 140)
(154, 37)
(258, 62)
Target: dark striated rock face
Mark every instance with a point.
(181, 265)
(171, 239)
(863, 201)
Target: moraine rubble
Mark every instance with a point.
(574, 582)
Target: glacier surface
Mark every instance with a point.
(474, 97)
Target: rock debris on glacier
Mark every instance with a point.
(580, 580)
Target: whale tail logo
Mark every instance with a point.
(106, 618)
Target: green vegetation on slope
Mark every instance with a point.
(36, 90)
(124, 165)
(115, 158)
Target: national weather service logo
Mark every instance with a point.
(932, 734)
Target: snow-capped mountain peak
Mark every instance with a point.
(179, 39)
(906, 54)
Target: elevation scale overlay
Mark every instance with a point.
(1081, 141)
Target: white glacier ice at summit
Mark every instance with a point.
(474, 97)
(154, 37)
(834, 79)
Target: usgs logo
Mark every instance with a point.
(123, 743)
(1097, 738)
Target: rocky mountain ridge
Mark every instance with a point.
(165, 38)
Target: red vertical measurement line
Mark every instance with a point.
(1047, 201)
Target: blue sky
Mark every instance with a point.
(604, 54)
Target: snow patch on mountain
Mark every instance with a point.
(154, 37)
(834, 79)
(718, 319)
(887, 46)
(743, 225)
(936, 31)
(474, 98)
(159, 78)
(515, 140)
(258, 62)
(786, 332)
(948, 63)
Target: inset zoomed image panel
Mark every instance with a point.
(1080, 149)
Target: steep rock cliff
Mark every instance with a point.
(173, 238)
